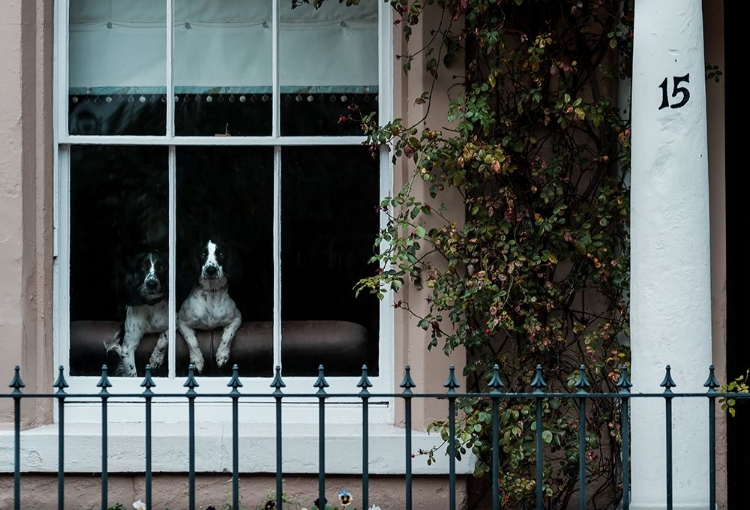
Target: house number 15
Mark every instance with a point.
(676, 91)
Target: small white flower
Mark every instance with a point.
(139, 505)
(375, 507)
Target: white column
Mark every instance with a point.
(670, 278)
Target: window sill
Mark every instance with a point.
(213, 449)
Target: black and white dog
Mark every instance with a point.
(207, 307)
(146, 309)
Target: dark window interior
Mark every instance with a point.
(329, 218)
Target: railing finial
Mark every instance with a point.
(148, 381)
(582, 382)
(364, 382)
(495, 381)
(451, 383)
(538, 381)
(104, 381)
(407, 383)
(624, 381)
(235, 382)
(17, 383)
(668, 383)
(61, 383)
(191, 383)
(321, 382)
(711, 383)
(277, 382)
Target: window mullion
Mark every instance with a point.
(275, 130)
(276, 90)
(170, 69)
(276, 258)
(172, 334)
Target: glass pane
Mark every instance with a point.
(328, 65)
(117, 73)
(329, 221)
(225, 195)
(223, 67)
(118, 215)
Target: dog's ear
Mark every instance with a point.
(132, 279)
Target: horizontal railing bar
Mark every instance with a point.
(355, 397)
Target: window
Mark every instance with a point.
(184, 121)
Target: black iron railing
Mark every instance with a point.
(496, 394)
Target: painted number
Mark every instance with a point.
(677, 90)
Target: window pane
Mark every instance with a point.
(328, 65)
(223, 67)
(226, 195)
(329, 221)
(118, 210)
(117, 67)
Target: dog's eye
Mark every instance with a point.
(219, 253)
(145, 264)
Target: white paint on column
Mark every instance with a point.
(670, 266)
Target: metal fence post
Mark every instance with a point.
(104, 394)
(538, 383)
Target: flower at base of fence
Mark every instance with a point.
(374, 507)
(139, 505)
(345, 497)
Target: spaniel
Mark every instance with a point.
(208, 306)
(145, 309)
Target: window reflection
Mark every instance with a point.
(226, 195)
(118, 210)
(329, 220)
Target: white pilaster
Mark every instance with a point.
(670, 266)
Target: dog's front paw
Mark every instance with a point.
(197, 361)
(222, 356)
(156, 359)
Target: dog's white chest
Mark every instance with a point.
(208, 309)
(147, 318)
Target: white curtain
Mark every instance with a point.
(222, 44)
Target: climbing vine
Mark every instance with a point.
(535, 271)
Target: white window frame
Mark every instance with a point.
(380, 411)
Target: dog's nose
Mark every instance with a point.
(152, 285)
(211, 270)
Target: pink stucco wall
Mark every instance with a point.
(83, 492)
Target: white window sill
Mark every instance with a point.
(213, 449)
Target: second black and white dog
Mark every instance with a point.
(207, 307)
(146, 311)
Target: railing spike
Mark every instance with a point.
(191, 383)
(235, 382)
(61, 383)
(538, 381)
(148, 381)
(582, 382)
(277, 382)
(16, 383)
(407, 383)
(624, 381)
(711, 383)
(668, 383)
(495, 381)
(104, 381)
(321, 382)
(451, 383)
(364, 382)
